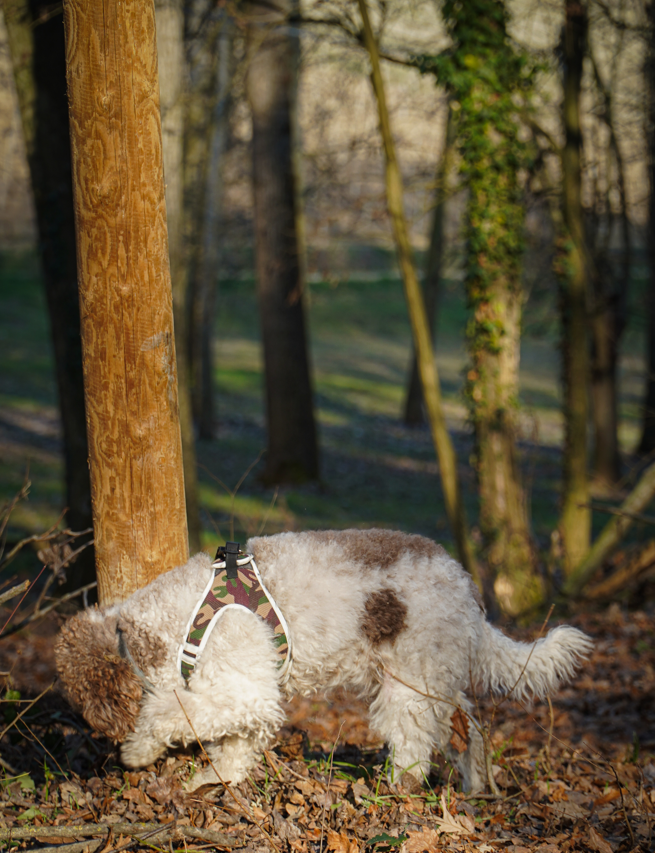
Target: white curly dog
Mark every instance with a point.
(389, 615)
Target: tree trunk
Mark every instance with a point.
(575, 520)
(206, 280)
(130, 377)
(605, 337)
(202, 32)
(36, 41)
(414, 414)
(418, 318)
(172, 73)
(647, 442)
(292, 443)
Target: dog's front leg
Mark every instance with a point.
(231, 759)
(140, 749)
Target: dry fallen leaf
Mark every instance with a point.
(459, 739)
(453, 825)
(597, 842)
(423, 839)
(340, 843)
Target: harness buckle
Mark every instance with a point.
(229, 553)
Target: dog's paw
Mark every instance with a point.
(208, 776)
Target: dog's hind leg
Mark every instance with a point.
(406, 721)
(460, 741)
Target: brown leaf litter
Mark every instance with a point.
(579, 777)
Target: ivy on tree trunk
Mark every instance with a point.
(487, 78)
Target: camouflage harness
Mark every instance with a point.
(236, 583)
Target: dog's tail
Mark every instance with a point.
(522, 669)
(96, 679)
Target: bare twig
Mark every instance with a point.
(50, 533)
(614, 510)
(25, 710)
(52, 606)
(11, 615)
(14, 591)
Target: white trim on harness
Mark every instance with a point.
(191, 654)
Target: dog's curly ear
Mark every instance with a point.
(97, 681)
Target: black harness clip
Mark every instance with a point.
(229, 552)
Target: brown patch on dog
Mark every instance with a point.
(384, 617)
(381, 549)
(147, 650)
(96, 680)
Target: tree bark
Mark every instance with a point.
(647, 442)
(414, 414)
(575, 519)
(606, 329)
(418, 318)
(172, 73)
(36, 41)
(292, 443)
(130, 378)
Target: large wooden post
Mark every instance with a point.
(130, 377)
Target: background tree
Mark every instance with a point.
(413, 408)
(205, 205)
(575, 519)
(486, 78)
(292, 443)
(172, 77)
(647, 441)
(130, 377)
(37, 47)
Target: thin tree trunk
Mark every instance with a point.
(418, 319)
(206, 283)
(130, 376)
(292, 443)
(414, 414)
(610, 291)
(575, 520)
(36, 41)
(202, 32)
(605, 336)
(647, 442)
(172, 72)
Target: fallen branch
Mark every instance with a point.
(617, 581)
(612, 533)
(133, 830)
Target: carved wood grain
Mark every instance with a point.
(130, 377)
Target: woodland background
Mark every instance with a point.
(525, 134)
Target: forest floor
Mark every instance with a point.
(575, 777)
